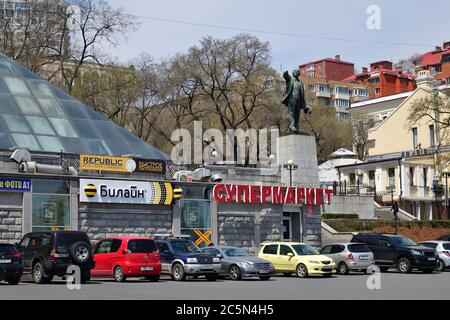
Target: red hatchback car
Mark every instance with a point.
(123, 257)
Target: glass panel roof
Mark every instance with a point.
(35, 114)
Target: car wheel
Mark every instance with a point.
(441, 266)
(404, 265)
(427, 270)
(154, 278)
(80, 252)
(302, 271)
(211, 277)
(39, 275)
(234, 273)
(343, 268)
(13, 281)
(178, 273)
(264, 278)
(287, 274)
(118, 274)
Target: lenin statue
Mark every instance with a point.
(294, 99)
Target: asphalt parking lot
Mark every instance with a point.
(393, 286)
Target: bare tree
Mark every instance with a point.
(361, 124)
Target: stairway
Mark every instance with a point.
(385, 213)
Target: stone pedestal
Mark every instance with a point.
(302, 151)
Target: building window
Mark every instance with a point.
(377, 91)
(343, 103)
(310, 67)
(341, 90)
(361, 92)
(432, 138)
(391, 177)
(372, 179)
(311, 87)
(352, 178)
(446, 58)
(50, 205)
(374, 80)
(195, 215)
(311, 74)
(415, 138)
(435, 70)
(411, 176)
(425, 177)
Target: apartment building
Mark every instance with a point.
(403, 161)
(384, 79)
(437, 62)
(329, 68)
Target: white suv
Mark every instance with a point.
(443, 250)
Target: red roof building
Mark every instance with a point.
(437, 62)
(328, 69)
(384, 79)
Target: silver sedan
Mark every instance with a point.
(237, 263)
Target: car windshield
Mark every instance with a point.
(185, 246)
(142, 246)
(403, 241)
(446, 246)
(305, 250)
(7, 249)
(355, 248)
(235, 252)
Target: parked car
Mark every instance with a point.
(125, 257)
(11, 266)
(237, 263)
(49, 253)
(398, 251)
(349, 256)
(444, 237)
(304, 260)
(443, 250)
(181, 258)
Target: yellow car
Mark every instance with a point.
(301, 258)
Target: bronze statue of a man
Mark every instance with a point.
(294, 99)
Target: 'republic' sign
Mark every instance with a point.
(107, 163)
(13, 184)
(126, 192)
(225, 193)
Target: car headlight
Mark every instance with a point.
(313, 261)
(216, 260)
(247, 265)
(416, 253)
(192, 260)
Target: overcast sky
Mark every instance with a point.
(419, 23)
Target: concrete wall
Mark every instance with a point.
(10, 217)
(361, 205)
(247, 226)
(329, 235)
(101, 220)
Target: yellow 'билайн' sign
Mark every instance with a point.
(107, 163)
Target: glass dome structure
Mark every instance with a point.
(35, 114)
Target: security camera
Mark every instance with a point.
(216, 178)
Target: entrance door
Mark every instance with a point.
(287, 227)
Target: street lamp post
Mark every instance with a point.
(446, 174)
(291, 167)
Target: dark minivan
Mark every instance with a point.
(10, 264)
(399, 252)
(49, 253)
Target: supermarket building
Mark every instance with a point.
(65, 167)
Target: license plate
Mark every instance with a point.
(146, 268)
(326, 269)
(207, 267)
(364, 258)
(431, 259)
(5, 260)
(263, 271)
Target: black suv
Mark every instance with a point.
(11, 266)
(49, 253)
(398, 251)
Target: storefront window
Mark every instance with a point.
(51, 205)
(196, 220)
